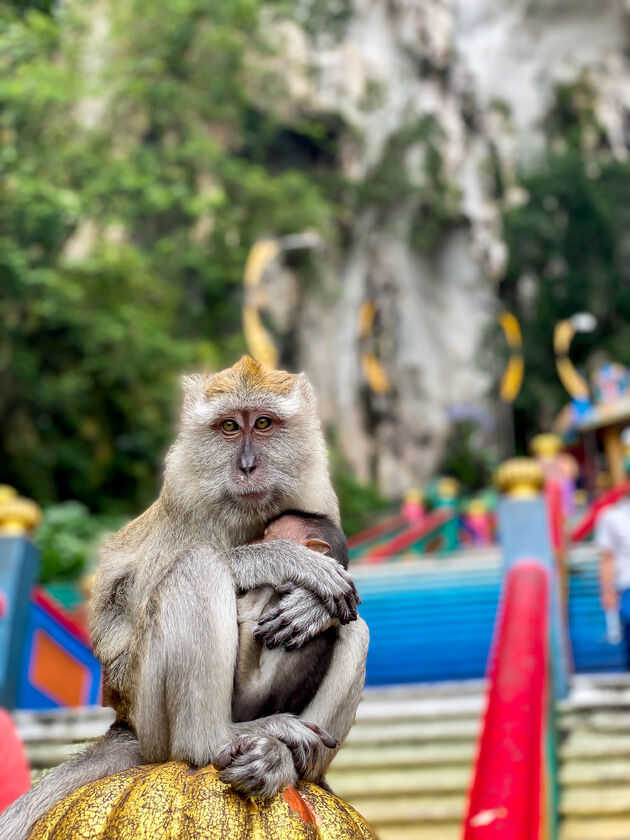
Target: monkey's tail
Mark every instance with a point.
(117, 750)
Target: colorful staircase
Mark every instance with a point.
(406, 764)
(594, 766)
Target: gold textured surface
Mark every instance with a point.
(17, 515)
(175, 802)
(520, 478)
(546, 445)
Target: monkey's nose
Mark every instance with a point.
(247, 464)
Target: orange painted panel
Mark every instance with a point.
(56, 673)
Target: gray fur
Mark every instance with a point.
(282, 662)
(117, 750)
(167, 639)
(269, 678)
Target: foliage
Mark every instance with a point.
(138, 172)
(144, 149)
(469, 457)
(360, 503)
(568, 252)
(67, 539)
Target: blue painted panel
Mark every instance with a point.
(31, 697)
(19, 565)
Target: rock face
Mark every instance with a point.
(435, 97)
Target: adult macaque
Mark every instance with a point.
(163, 615)
(280, 666)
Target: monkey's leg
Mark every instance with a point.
(180, 673)
(332, 710)
(117, 750)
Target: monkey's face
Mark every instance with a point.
(247, 437)
(251, 436)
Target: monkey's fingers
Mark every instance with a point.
(270, 623)
(298, 639)
(279, 639)
(326, 739)
(285, 588)
(346, 608)
(353, 589)
(259, 765)
(280, 631)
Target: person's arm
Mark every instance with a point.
(607, 580)
(605, 542)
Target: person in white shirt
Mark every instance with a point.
(612, 537)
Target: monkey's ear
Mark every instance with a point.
(317, 545)
(192, 384)
(193, 387)
(306, 389)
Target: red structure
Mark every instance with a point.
(585, 526)
(507, 799)
(15, 777)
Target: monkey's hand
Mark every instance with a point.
(299, 617)
(272, 752)
(283, 561)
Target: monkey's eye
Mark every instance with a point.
(229, 426)
(263, 423)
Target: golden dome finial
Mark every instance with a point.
(520, 478)
(17, 515)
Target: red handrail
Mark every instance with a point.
(376, 531)
(402, 542)
(587, 522)
(506, 799)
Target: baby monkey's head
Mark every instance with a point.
(313, 530)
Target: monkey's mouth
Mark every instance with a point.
(249, 490)
(251, 494)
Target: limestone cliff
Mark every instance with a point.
(435, 98)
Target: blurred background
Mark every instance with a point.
(424, 204)
(453, 158)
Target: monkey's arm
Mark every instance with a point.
(117, 750)
(281, 561)
(298, 618)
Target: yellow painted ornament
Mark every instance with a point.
(173, 801)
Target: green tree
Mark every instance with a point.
(568, 245)
(140, 165)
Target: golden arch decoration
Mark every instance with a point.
(262, 254)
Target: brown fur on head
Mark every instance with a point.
(206, 466)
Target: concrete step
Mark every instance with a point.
(441, 831)
(438, 779)
(581, 744)
(593, 829)
(589, 773)
(609, 801)
(406, 763)
(424, 730)
(419, 809)
(405, 755)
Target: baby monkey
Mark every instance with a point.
(276, 671)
